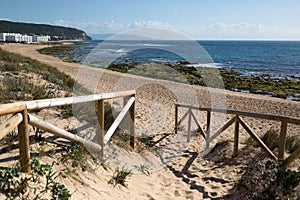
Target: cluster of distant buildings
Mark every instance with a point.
(17, 37)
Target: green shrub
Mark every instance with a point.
(270, 138)
(292, 143)
(77, 154)
(119, 177)
(18, 185)
(15, 87)
(268, 181)
(10, 138)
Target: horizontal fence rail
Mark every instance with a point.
(11, 108)
(21, 119)
(237, 120)
(47, 103)
(245, 114)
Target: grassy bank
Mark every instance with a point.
(63, 52)
(22, 78)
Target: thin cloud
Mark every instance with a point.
(111, 26)
(221, 26)
(150, 24)
(93, 27)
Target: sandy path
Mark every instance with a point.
(181, 173)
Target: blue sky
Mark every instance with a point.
(198, 19)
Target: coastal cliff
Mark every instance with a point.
(55, 32)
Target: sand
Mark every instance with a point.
(179, 170)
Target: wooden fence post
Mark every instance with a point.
(282, 139)
(176, 118)
(132, 124)
(24, 147)
(208, 118)
(236, 137)
(189, 125)
(100, 117)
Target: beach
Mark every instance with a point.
(181, 172)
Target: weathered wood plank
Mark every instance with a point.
(176, 119)
(118, 120)
(220, 130)
(100, 117)
(132, 124)
(246, 114)
(183, 118)
(208, 118)
(10, 125)
(199, 126)
(189, 125)
(12, 108)
(236, 137)
(62, 133)
(257, 139)
(292, 157)
(282, 139)
(24, 146)
(46, 103)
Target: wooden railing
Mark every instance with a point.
(239, 121)
(22, 119)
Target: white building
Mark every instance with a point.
(17, 37)
(37, 38)
(27, 39)
(12, 37)
(2, 37)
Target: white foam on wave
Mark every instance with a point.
(208, 65)
(121, 51)
(158, 45)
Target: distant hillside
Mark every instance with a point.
(56, 32)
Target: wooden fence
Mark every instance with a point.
(237, 120)
(21, 119)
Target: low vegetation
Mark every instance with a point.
(271, 139)
(22, 78)
(40, 183)
(120, 176)
(77, 154)
(61, 51)
(18, 74)
(268, 180)
(215, 77)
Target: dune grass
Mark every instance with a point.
(271, 139)
(16, 86)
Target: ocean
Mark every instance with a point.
(278, 59)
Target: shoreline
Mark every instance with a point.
(263, 84)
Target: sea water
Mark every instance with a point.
(278, 59)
